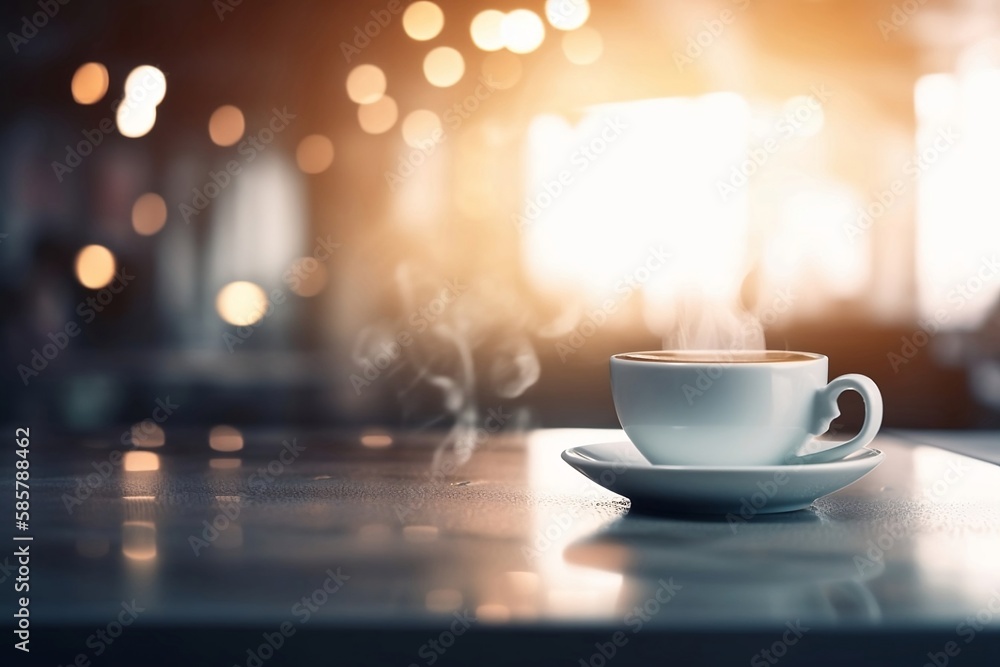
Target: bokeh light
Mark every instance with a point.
(225, 439)
(148, 434)
(226, 125)
(582, 46)
(423, 21)
(241, 303)
(95, 266)
(487, 30)
(149, 214)
(567, 14)
(314, 154)
(366, 84)
(444, 66)
(379, 117)
(145, 85)
(420, 127)
(376, 439)
(502, 69)
(310, 276)
(523, 31)
(90, 83)
(135, 121)
(140, 461)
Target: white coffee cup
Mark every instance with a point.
(740, 408)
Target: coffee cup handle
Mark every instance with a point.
(826, 410)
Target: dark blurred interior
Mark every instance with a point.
(339, 214)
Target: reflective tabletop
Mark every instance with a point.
(355, 548)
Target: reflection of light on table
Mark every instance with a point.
(141, 461)
(376, 440)
(225, 439)
(139, 540)
(569, 589)
(224, 464)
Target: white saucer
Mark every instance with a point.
(741, 490)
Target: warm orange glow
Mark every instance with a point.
(148, 434)
(366, 84)
(140, 462)
(503, 69)
(225, 463)
(226, 125)
(241, 303)
(314, 154)
(311, 275)
(225, 439)
(378, 117)
(582, 46)
(523, 31)
(376, 440)
(492, 613)
(139, 540)
(95, 266)
(487, 30)
(567, 14)
(444, 66)
(149, 214)
(420, 127)
(90, 83)
(423, 21)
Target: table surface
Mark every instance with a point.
(515, 539)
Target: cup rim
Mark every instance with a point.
(731, 354)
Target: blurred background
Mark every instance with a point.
(381, 213)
